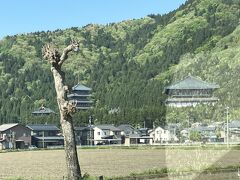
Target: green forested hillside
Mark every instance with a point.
(128, 64)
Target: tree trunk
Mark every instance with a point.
(66, 108)
(73, 168)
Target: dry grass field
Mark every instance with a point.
(110, 162)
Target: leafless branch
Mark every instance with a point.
(74, 46)
(51, 53)
(69, 108)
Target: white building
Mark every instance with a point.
(161, 135)
(107, 134)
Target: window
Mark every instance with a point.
(105, 133)
(98, 133)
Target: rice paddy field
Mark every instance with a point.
(110, 162)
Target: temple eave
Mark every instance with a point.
(192, 100)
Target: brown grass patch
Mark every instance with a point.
(111, 162)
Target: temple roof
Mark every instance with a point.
(80, 87)
(191, 82)
(43, 110)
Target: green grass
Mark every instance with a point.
(163, 172)
(182, 147)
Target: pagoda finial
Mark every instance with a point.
(78, 79)
(42, 107)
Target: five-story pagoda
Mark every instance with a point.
(81, 95)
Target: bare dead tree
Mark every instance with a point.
(66, 108)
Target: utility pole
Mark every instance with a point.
(90, 126)
(227, 108)
(43, 139)
(189, 128)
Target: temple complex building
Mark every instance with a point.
(189, 92)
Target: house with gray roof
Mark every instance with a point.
(127, 129)
(234, 130)
(14, 136)
(46, 135)
(107, 134)
(208, 133)
(84, 135)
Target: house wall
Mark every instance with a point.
(46, 133)
(84, 137)
(98, 133)
(20, 133)
(160, 135)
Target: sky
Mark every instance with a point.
(25, 16)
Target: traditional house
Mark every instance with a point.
(127, 129)
(45, 135)
(190, 91)
(234, 130)
(208, 133)
(81, 95)
(106, 134)
(14, 136)
(84, 135)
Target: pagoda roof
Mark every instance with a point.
(192, 99)
(80, 87)
(78, 95)
(191, 82)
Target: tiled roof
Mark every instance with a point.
(234, 124)
(191, 82)
(43, 127)
(126, 127)
(107, 127)
(203, 128)
(5, 127)
(83, 128)
(80, 87)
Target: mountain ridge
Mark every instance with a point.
(127, 64)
